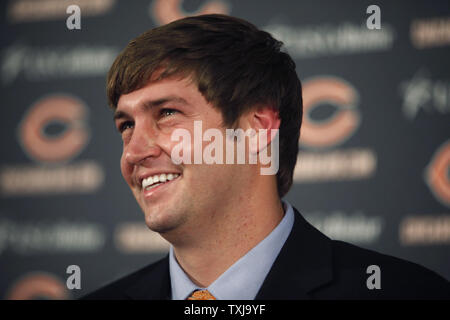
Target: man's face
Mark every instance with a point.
(146, 119)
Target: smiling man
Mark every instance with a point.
(232, 236)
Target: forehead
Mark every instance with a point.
(179, 90)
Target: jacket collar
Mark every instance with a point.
(303, 264)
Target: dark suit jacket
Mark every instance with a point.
(309, 266)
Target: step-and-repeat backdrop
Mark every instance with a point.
(374, 160)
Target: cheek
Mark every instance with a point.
(177, 146)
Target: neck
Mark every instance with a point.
(233, 232)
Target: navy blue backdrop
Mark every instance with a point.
(374, 160)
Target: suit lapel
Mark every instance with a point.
(153, 284)
(303, 264)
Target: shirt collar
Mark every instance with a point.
(244, 278)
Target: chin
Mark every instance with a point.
(158, 227)
(160, 222)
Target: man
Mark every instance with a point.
(231, 235)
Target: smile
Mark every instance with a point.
(158, 179)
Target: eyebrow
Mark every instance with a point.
(118, 114)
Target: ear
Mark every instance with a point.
(263, 118)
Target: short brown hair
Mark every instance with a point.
(235, 65)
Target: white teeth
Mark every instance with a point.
(157, 179)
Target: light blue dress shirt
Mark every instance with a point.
(244, 278)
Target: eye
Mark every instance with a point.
(125, 125)
(166, 112)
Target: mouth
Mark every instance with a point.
(151, 184)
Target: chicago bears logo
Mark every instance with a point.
(38, 285)
(51, 148)
(339, 126)
(166, 11)
(437, 174)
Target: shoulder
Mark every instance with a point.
(120, 288)
(376, 275)
(353, 272)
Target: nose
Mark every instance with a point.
(141, 146)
